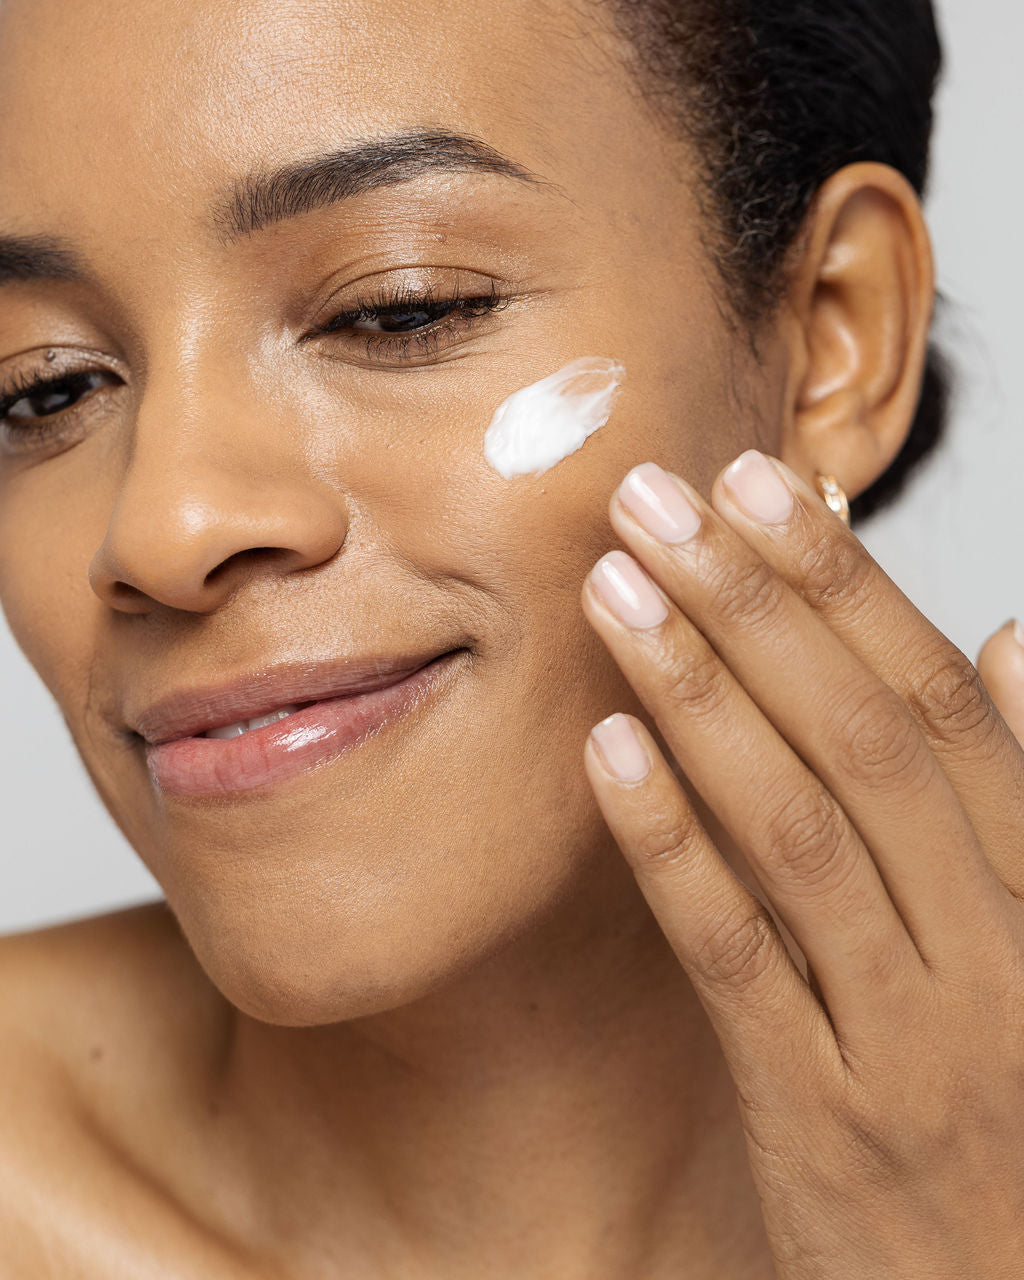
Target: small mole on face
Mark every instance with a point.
(96, 1053)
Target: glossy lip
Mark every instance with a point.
(190, 711)
(304, 740)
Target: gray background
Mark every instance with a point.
(948, 544)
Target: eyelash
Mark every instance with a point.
(449, 314)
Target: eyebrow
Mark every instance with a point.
(263, 198)
(37, 258)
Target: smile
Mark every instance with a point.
(293, 738)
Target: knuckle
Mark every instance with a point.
(665, 845)
(951, 700)
(803, 837)
(750, 593)
(834, 570)
(693, 681)
(738, 951)
(882, 741)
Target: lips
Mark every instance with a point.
(187, 712)
(341, 704)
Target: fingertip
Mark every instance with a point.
(1001, 667)
(620, 749)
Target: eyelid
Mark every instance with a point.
(413, 277)
(461, 309)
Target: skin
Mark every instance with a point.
(437, 1029)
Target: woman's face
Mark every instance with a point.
(240, 486)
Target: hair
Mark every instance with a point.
(776, 95)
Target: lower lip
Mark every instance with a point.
(302, 741)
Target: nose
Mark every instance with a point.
(210, 497)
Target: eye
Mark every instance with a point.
(411, 325)
(48, 412)
(42, 398)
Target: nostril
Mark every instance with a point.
(126, 598)
(244, 563)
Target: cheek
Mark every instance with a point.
(543, 423)
(44, 585)
(526, 539)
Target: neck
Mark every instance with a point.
(563, 1108)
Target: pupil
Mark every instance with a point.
(400, 321)
(51, 402)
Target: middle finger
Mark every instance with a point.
(850, 728)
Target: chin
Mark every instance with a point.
(312, 978)
(314, 949)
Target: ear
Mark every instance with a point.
(858, 311)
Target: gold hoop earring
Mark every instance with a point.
(831, 491)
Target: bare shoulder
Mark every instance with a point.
(83, 990)
(102, 1023)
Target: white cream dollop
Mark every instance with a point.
(543, 423)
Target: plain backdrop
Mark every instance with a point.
(950, 544)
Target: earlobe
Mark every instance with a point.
(861, 302)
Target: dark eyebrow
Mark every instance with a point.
(262, 198)
(37, 258)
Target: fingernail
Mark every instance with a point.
(627, 591)
(1018, 633)
(758, 488)
(659, 504)
(620, 748)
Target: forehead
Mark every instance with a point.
(146, 104)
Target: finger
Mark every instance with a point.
(843, 721)
(762, 1011)
(1001, 666)
(800, 845)
(829, 567)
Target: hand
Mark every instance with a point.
(1001, 665)
(855, 757)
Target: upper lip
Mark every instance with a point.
(192, 710)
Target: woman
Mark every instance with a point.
(445, 985)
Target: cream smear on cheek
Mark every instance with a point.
(543, 423)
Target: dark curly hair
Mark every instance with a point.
(776, 95)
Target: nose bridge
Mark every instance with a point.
(214, 482)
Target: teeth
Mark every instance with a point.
(244, 726)
(261, 721)
(227, 731)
